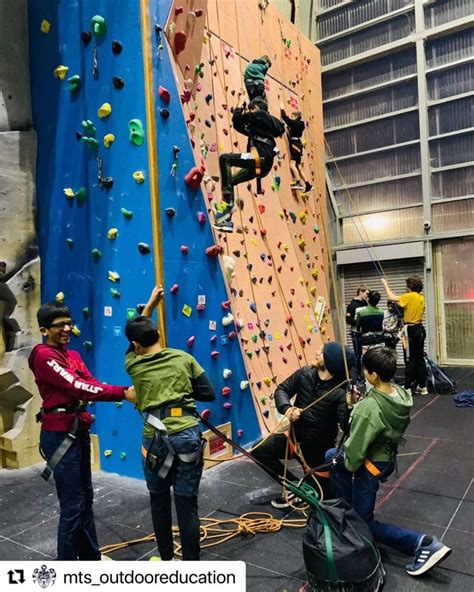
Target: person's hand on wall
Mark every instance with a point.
(155, 298)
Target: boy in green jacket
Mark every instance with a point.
(377, 425)
(254, 77)
(167, 383)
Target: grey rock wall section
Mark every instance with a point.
(15, 98)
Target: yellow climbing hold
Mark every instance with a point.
(108, 140)
(59, 297)
(112, 233)
(267, 380)
(76, 331)
(302, 244)
(113, 276)
(60, 72)
(286, 247)
(313, 291)
(303, 216)
(107, 453)
(254, 242)
(301, 280)
(139, 177)
(315, 273)
(104, 110)
(68, 192)
(45, 26)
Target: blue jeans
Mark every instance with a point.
(360, 490)
(184, 478)
(77, 537)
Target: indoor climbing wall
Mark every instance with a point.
(128, 140)
(276, 261)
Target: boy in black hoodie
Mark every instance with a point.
(261, 128)
(295, 127)
(377, 425)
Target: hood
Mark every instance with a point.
(393, 406)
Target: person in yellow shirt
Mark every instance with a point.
(413, 304)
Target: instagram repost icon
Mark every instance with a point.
(44, 576)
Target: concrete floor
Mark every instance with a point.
(434, 493)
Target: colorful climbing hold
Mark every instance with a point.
(164, 94)
(74, 84)
(91, 142)
(81, 194)
(139, 177)
(99, 25)
(191, 341)
(115, 293)
(104, 110)
(226, 390)
(112, 233)
(201, 217)
(87, 345)
(45, 26)
(136, 134)
(86, 37)
(214, 251)
(174, 289)
(60, 72)
(194, 177)
(96, 254)
(118, 82)
(214, 354)
(128, 214)
(116, 47)
(170, 212)
(244, 384)
(108, 140)
(113, 276)
(164, 112)
(184, 249)
(227, 405)
(227, 373)
(144, 249)
(180, 39)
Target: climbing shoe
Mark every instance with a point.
(427, 556)
(223, 211)
(308, 187)
(224, 226)
(296, 186)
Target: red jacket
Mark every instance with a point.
(64, 379)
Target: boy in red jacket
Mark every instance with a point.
(64, 382)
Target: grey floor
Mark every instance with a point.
(434, 493)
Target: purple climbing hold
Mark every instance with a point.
(227, 405)
(253, 307)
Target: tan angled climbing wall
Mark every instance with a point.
(280, 290)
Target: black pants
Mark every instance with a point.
(255, 89)
(415, 367)
(246, 163)
(274, 449)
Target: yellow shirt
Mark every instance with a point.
(413, 305)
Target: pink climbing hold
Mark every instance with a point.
(164, 94)
(214, 251)
(240, 433)
(225, 305)
(179, 10)
(227, 405)
(191, 341)
(200, 307)
(232, 335)
(226, 391)
(174, 288)
(214, 354)
(213, 339)
(205, 413)
(201, 217)
(194, 177)
(180, 39)
(184, 249)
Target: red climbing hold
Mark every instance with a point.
(191, 341)
(261, 208)
(232, 335)
(214, 251)
(179, 10)
(194, 177)
(263, 232)
(164, 94)
(200, 307)
(225, 305)
(214, 354)
(201, 217)
(198, 12)
(184, 249)
(226, 391)
(205, 413)
(174, 288)
(180, 39)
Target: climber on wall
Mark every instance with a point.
(254, 77)
(261, 128)
(168, 382)
(64, 381)
(295, 127)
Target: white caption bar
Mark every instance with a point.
(118, 576)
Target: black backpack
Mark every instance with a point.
(437, 381)
(339, 550)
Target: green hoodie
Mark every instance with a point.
(256, 70)
(376, 422)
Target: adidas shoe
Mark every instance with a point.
(224, 226)
(223, 211)
(296, 186)
(427, 556)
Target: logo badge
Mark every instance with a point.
(44, 576)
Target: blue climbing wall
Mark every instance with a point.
(76, 252)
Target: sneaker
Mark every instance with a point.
(427, 556)
(296, 186)
(421, 391)
(223, 211)
(224, 226)
(308, 187)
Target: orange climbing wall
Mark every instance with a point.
(280, 289)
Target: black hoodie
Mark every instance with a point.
(258, 124)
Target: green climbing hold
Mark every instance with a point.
(135, 128)
(126, 213)
(115, 293)
(88, 127)
(118, 404)
(99, 25)
(91, 142)
(316, 229)
(74, 84)
(86, 312)
(96, 254)
(123, 456)
(70, 242)
(87, 345)
(81, 194)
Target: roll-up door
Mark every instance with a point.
(396, 272)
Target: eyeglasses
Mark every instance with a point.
(62, 325)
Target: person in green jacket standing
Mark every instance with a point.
(254, 77)
(377, 425)
(167, 383)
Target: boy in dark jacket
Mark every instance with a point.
(254, 77)
(377, 425)
(168, 382)
(351, 312)
(261, 128)
(295, 127)
(317, 426)
(64, 382)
